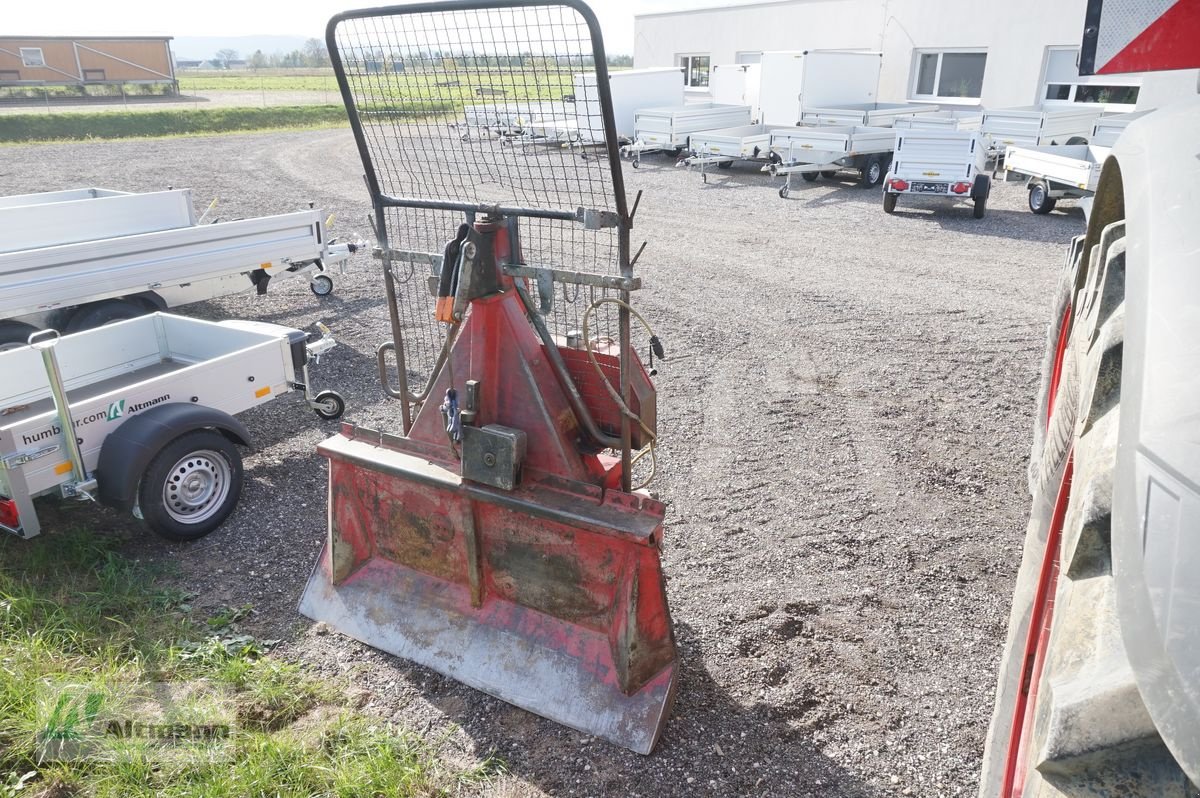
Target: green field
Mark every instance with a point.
(144, 124)
(459, 86)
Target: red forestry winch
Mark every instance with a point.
(498, 540)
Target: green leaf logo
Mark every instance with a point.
(116, 410)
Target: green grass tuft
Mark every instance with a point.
(72, 607)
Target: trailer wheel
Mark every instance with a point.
(1040, 200)
(97, 314)
(637, 163)
(725, 164)
(872, 172)
(783, 191)
(14, 334)
(829, 174)
(321, 285)
(809, 177)
(889, 202)
(191, 486)
(329, 405)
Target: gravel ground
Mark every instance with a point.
(845, 420)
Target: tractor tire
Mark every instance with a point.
(1068, 719)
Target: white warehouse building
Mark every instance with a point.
(947, 52)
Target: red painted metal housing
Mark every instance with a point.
(550, 596)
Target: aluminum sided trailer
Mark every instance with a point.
(725, 147)
(150, 404)
(1052, 173)
(940, 163)
(827, 150)
(965, 119)
(865, 114)
(77, 259)
(668, 128)
(1034, 126)
(736, 84)
(1109, 127)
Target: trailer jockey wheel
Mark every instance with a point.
(783, 191)
(191, 486)
(321, 285)
(329, 405)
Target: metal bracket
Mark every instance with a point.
(597, 220)
(21, 458)
(611, 281)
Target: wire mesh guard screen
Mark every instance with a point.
(457, 107)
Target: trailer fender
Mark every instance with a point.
(127, 451)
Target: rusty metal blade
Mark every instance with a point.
(494, 649)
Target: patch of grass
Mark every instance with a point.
(73, 608)
(144, 124)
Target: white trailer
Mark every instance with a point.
(509, 118)
(722, 148)
(736, 84)
(139, 415)
(958, 119)
(825, 151)
(940, 163)
(669, 128)
(1109, 127)
(865, 114)
(632, 89)
(1052, 173)
(79, 259)
(1035, 126)
(792, 80)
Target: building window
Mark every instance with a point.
(748, 57)
(1064, 85)
(32, 57)
(93, 74)
(695, 70)
(949, 74)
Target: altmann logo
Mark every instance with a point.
(114, 411)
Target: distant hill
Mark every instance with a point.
(200, 48)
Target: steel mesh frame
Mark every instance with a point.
(443, 100)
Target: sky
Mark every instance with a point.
(305, 18)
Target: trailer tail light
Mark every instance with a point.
(961, 188)
(896, 184)
(8, 514)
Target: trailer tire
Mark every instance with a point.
(98, 314)
(15, 334)
(783, 191)
(321, 285)
(191, 486)
(725, 164)
(1040, 201)
(809, 177)
(829, 174)
(889, 202)
(329, 405)
(873, 172)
